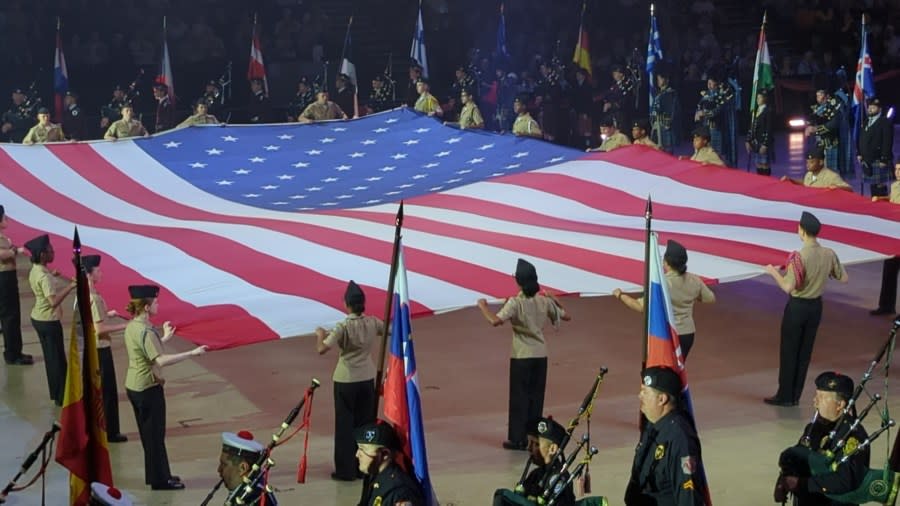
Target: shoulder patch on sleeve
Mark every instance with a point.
(688, 465)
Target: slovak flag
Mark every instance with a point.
(402, 403)
(60, 78)
(663, 345)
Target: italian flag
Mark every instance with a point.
(762, 71)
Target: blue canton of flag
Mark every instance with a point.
(377, 159)
(502, 50)
(654, 55)
(865, 83)
(417, 52)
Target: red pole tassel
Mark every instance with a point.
(307, 413)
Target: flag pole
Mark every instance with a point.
(346, 34)
(648, 219)
(395, 257)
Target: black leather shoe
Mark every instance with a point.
(775, 401)
(169, 485)
(880, 311)
(22, 360)
(511, 445)
(117, 438)
(337, 477)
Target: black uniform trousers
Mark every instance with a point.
(110, 391)
(354, 406)
(527, 381)
(887, 300)
(687, 342)
(798, 335)
(50, 335)
(10, 315)
(150, 413)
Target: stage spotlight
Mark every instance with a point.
(890, 113)
(797, 123)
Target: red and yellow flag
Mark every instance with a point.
(582, 56)
(82, 447)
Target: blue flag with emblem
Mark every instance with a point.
(654, 55)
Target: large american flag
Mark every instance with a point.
(253, 231)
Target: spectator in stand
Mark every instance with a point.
(808, 65)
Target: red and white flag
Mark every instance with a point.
(257, 69)
(165, 68)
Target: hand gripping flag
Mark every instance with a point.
(663, 345)
(402, 403)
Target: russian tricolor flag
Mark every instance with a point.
(402, 402)
(663, 345)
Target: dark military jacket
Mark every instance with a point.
(20, 122)
(393, 486)
(73, 123)
(112, 111)
(299, 104)
(666, 469)
(259, 109)
(165, 115)
(842, 479)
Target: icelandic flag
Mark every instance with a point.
(60, 78)
(502, 49)
(865, 83)
(663, 345)
(402, 403)
(654, 55)
(417, 52)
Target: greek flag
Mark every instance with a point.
(654, 55)
(417, 52)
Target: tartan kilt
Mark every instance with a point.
(716, 140)
(880, 175)
(666, 139)
(762, 159)
(832, 157)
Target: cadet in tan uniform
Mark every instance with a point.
(887, 300)
(47, 312)
(528, 312)
(44, 131)
(804, 280)
(817, 176)
(354, 377)
(426, 103)
(640, 130)
(703, 153)
(470, 116)
(685, 289)
(126, 127)
(525, 125)
(104, 326)
(612, 137)
(201, 115)
(10, 310)
(144, 383)
(321, 110)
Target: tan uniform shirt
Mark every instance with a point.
(427, 103)
(10, 263)
(144, 347)
(43, 285)
(684, 290)
(199, 119)
(616, 140)
(645, 141)
(470, 116)
(528, 315)
(820, 263)
(895, 195)
(321, 112)
(40, 134)
(526, 126)
(826, 178)
(355, 336)
(98, 314)
(122, 129)
(706, 154)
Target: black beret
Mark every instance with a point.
(354, 294)
(831, 381)
(523, 98)
(161, 86)
(20, 91)
(550, 429)
(617, 68)
(643, 124)
(256, 80)
(71, 94)
(378, 433)
(212, 82)
(2, 212)
(38, 245)
(701, 131)
(90, 262)
(525, 272)
(118, 87)
(874, 101)
(43, 110)
(379, 78)
(422, 80)
(810, 223)
(607, 121)
(816, 153)
(663, 379)
(303, 80)
(675, 254)
(143, 291)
